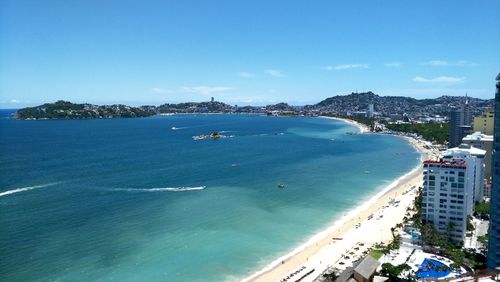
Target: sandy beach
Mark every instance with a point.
(355, 232)
(362, 127)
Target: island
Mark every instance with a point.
(68, 110)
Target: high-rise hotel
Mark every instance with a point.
(494, 231)
(460, 120)
(451, 186)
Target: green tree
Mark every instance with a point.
(482, 210)
(470, 226)
(394, 271)
(331, 277)
(436, 132)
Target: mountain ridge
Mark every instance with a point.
(339, 104)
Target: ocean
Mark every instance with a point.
(95, 200)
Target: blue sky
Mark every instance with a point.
(244, 52)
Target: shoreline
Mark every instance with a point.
(362, 127)
(310, 255)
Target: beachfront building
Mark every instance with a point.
(451, 186)
(460, 120)
(483, 142)
(474, 158)
(365, 270)
(494, 228)
(484, 122)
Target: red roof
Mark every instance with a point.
(447, 164)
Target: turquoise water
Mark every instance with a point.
(76, 203)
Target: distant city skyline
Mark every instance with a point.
(258, 52)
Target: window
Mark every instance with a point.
(461, 173)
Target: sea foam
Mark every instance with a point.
(165, 189)
(23, 189)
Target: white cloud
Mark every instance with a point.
(436, 63)
(14, 101)
(347, 66)
(246, 74)
(393, 64)
(275, 73)
(160, 90)
(205, 90)
(442, 63)
(440, 79)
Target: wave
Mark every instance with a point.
(165, 189)
(23, 189)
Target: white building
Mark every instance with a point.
(483, 142)
(451, 185)
(371, 111)
(474, 158)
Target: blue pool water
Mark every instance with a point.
(415, 235)
(431, 268)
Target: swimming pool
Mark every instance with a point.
(415, 235)
(431, 268)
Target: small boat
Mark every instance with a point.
(281, 185)
(174, 128)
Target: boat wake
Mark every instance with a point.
(23, 189)
(178, 128)
(165, 189)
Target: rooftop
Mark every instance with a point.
(478, 136)
(367, 267)
(447, 164)
(464, 150)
